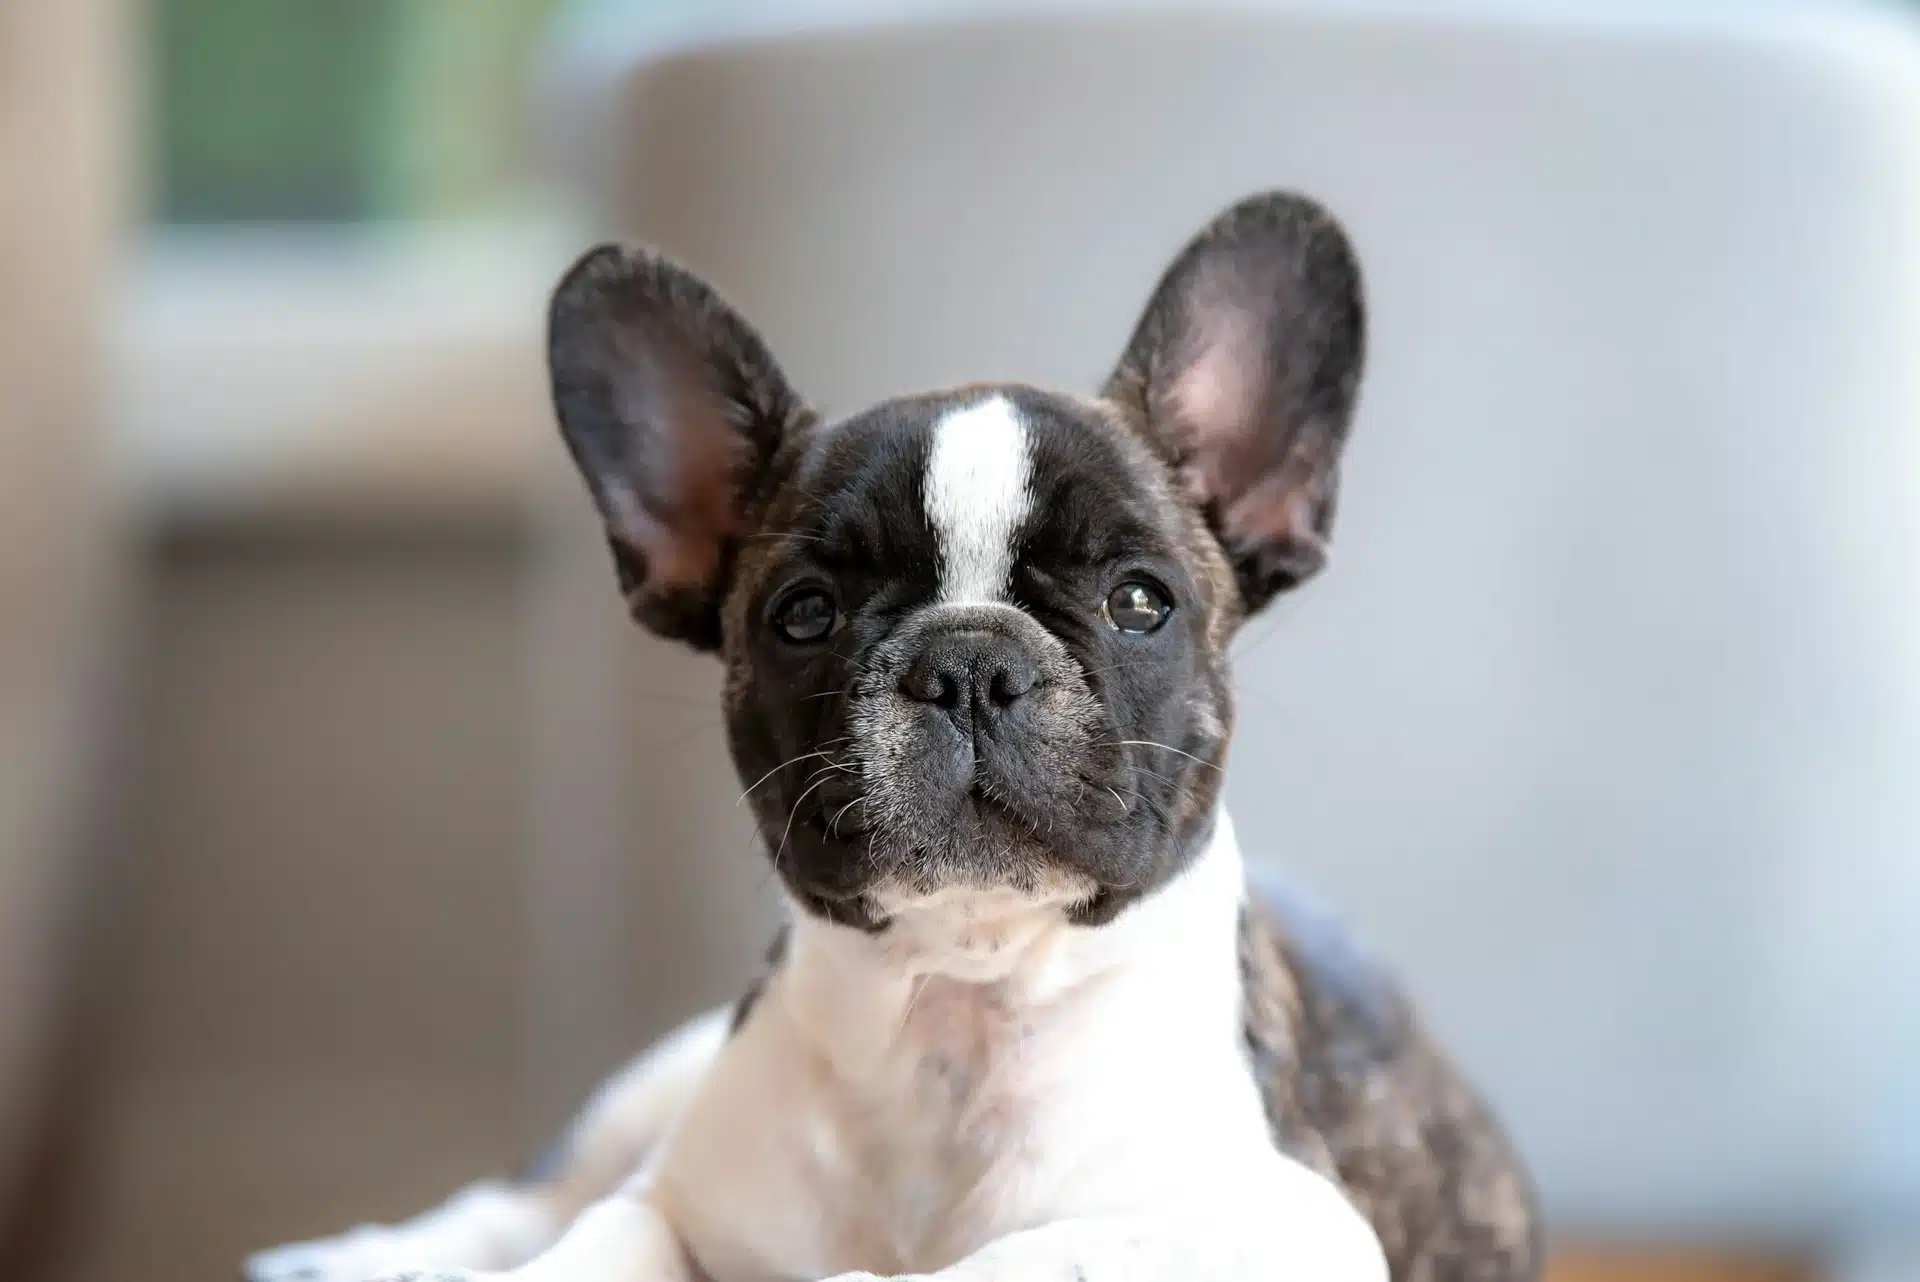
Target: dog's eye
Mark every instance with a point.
(805, 617)
(1136, 607)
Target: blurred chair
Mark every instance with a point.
(1603, 726)
(62, 82)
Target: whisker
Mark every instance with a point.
(1247, 687)
(1151, 774)
(1244, 645)
(818, 752)
(1149, 743)
(1112, 667)
(831, 765)
(833, 825)
(788, 832)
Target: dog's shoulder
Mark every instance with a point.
(1356, 1089)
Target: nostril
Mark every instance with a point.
(1011, 681)
(970, 672)
(925, 683)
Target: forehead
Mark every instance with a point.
(980, 470)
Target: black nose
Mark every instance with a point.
(973, 673)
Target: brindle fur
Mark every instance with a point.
(1356, 1090)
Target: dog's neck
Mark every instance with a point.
(1018, 958)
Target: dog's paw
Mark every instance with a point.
(358, 1256)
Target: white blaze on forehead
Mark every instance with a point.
(977, 497)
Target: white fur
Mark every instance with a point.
(977, 495)
(983, 1093)
(486, 1226)
(499, 1226)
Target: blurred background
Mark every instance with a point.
(348, 834)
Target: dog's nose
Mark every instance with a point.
(971, 672)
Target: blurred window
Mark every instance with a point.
(331, 111)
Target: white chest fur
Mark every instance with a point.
(894, 1103)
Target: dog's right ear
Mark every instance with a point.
(1244, 367)
(673, 409)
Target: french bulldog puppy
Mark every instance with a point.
(1027, 1019)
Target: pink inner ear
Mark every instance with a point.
(1218, 391)
(1232, 458)
(673, 560)
(1281, 509)
(1217, 400)
(680, 529)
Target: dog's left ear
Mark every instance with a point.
(674, 409)
(1244, 368)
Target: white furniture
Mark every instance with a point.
(1605, 723)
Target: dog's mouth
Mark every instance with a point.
(840, 814)
(849, 810)
(857, 847)
(983, 828)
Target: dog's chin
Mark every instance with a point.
(866, 864)
(976, 934)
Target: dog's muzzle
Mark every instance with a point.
(978, 741)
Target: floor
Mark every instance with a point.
(1622, 1265)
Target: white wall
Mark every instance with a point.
(1602, 725)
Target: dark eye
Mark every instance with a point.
(1136, 607)
(805, 617)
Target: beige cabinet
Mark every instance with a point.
(63, 169)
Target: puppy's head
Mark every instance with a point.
(975, 638)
